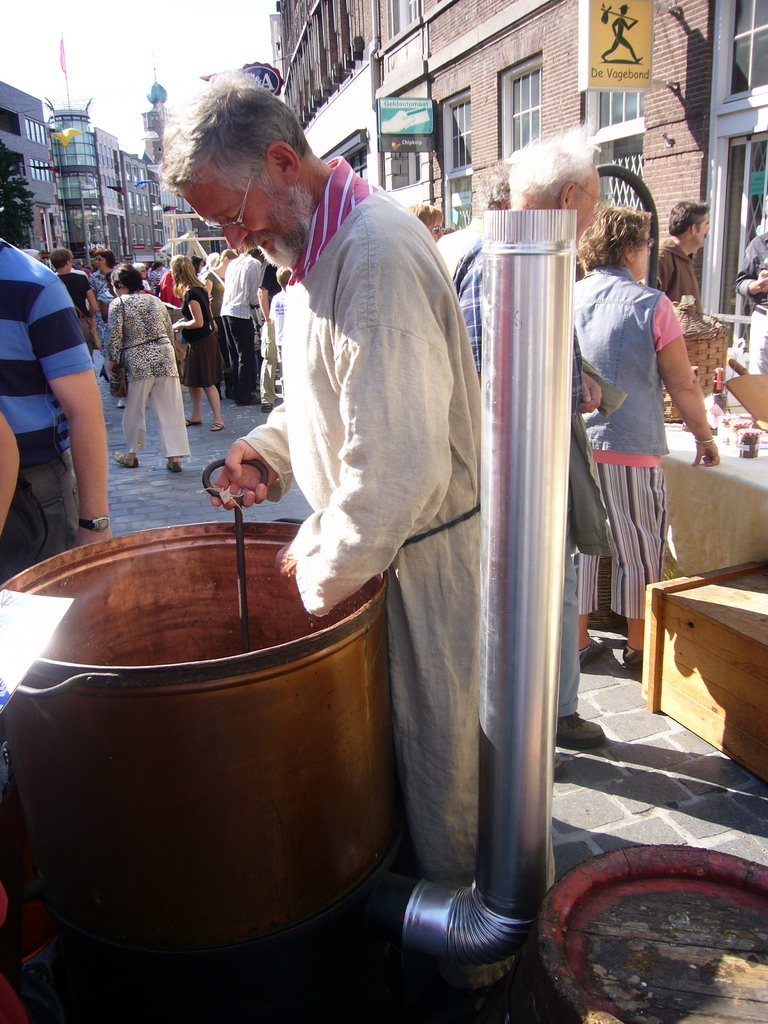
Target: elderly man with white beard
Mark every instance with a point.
(380, 429)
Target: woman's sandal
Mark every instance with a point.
(217, 425)
(194, 423)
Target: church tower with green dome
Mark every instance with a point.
(154, 121)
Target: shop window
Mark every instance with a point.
(626, 152)
(404, 170)
(520, 108)
(457, 133)
(354, 149)
(616, 123)
(750, 46)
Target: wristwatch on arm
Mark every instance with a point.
(99, 524)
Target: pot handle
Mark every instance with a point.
(66, 684)
(236, 498)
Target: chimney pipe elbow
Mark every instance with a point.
(457, 925)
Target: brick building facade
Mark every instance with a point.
(677, 110)
(468, 52)
(500, 73)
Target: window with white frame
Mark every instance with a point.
(520, 107)
(750, 46)
(616, 122)
(617, 107)
(457, 135)
(404, 13)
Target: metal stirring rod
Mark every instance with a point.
(242, 593)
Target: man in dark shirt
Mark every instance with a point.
(752, 283)
(688, 228)
(81, 293)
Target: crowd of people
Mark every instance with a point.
(380, 422)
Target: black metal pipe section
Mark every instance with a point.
(643, 193)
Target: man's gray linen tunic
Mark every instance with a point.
(381, 430)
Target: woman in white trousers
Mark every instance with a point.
(140, 328)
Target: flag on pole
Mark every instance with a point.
(62, 57)
(65, 136)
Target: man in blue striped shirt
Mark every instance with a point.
(49, 395)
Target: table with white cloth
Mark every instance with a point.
(717, 516)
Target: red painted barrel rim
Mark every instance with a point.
(632, 863)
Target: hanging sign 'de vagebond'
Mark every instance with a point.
(615, 44)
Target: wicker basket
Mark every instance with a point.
(706, 339)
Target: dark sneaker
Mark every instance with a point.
(266, 407)
(632, 658)
(576, 734)
(594, 648)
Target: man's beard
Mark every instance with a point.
(284, 245)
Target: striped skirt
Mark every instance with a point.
(635, 500)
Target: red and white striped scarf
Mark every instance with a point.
(344, 191)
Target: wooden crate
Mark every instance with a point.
(706, 661)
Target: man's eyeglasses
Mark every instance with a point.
(438, 229)
(238, 221)
(595, 199)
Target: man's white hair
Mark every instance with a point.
(539, 172)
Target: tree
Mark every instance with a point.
(16, 201)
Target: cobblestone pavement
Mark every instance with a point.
(150, 496)
(652, 782)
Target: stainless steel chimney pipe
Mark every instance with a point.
(528, 277)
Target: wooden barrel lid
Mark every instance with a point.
(655, 935)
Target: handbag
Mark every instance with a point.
(118, 384)
(90, 323)
(95, 336)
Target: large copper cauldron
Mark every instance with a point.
(193, 796)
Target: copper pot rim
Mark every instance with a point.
(264, 661)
